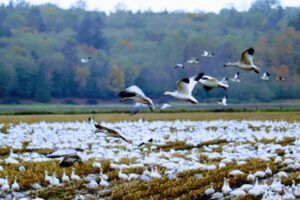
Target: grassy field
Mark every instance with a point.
(114, 117)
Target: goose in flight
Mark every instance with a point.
(136, 94)
(146, 142)
(110, 132)
(208, 54)
(193, 61)
(209, 83)
(70, 160)
(165, 106)
(85, 60)
(265, 76)
(236, 77)
(280, 78)
(225, 80)
(178, 65)
(223, 101)
(246, 61)
(185, 88)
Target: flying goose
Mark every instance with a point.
(208, 54)
(246, 61)
(223, 101)
(86, 60)
(165, 106)
(209, 83)
(225, 80)
(193, 61)
(178, 65)
(236, 77)
(148, 141)
(70, 160)
(280, 78)
(265, 76)
(184, 89)
(109, 132)
(136, 94)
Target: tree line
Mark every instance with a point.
(41, 48)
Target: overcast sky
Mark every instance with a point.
(160, 5)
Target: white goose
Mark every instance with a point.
(178, 65)
(65, 178)
(5, 187)
(136, 94)
(209, 83)
(246, 61)
(193, 61)
(225, 80)
(236, 77)
(226, 189)
(268, 170)
(210, 190)
(122, 176)
(208, 54)
(265, 76)
(154, 173)
(15, 186)
(47, 178)
(184, 89)
(223, 101)
(74, 177)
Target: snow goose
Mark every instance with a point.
(178, 65)
(22, 168)
(237, 194)
(5, 187)
(15, 186)
(85, 60)
(74, 177)
(236, 172)
(146, 142)
(276, 184)
(154, 173)
(92, 184)
(246, 61)
(208, 54)
(250, 177)
(122, 176)
(225, 80)
(223, 101)
(265, 76)
(280, 78)
(133, 176)
(165, 106)
(288, 194)
(96, 165)
(257, 189)
(184, 89)
(209, 191)
(65, 178)
(260, 174)
(70, 160)
(226, 189)
(47, 178)
(209, 83)
(282, 174)
(136, 94)
(193, 61)
(268, 170)
(108, 131)
(296, 189)
(236, 77)
(103, 182)
(54, 180)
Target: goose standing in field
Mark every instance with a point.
(223, 101)
(193, 61)
(236, 77)
(73, 176)
(209, 83)
(123, 176)
(110, 132)
(47, 177)
(5, 187)
(54, 180)
(15, 186)
(246, 61)
(226, 189)
(165, 106)
(210, 190)
(208, 54)
(179, 65)
(184, 89)
(265, 76)
(136, 94)
(85, 60)
(65, 178)
(268, 170)
(70, 160)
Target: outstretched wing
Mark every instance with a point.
(247, 56)
(183, 86)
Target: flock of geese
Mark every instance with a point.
(186, 85)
